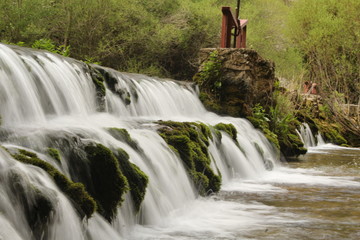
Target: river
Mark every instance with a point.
(316, 197)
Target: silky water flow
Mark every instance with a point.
(44, 95)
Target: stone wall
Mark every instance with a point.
(246, 79)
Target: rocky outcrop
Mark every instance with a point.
(243, 80)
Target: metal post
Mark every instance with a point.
(237, 31)
(238, 9)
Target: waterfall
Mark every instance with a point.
(53, 102)
(307, 137)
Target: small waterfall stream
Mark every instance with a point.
(307, 137)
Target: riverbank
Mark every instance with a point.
(240, 83)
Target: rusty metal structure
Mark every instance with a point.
(233, 27)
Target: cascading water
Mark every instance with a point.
(48, 101)
(52, 103)
(308, 138)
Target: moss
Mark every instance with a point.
(123, 135)
(292, 146)
(112, 83)
(98, 81)
(210, 102)
(191, 140)
(37, 205)
(127, 100)
(137, 179)
(83, 201)
(54, 153)
(272, 137)
(331, 132)
(228, 128)
(108, 183)
(264, 127)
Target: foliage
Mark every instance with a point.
(267, 35)
(156, 37)
(210, 74)
(327, 34)
(261, 121)
(47, 44)
(283, 123)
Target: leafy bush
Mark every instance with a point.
(47, 44)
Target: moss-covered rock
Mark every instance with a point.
(123, 135)
(108, 184)
(84, 203)
(37, 204)
(210, 103)
(331, 132)
(228, 128)
(292, 146)
(114, 86)
(264, 127)
(54, 153)
(191, 141)
(232, 81)
(137, 179)
(98, 81)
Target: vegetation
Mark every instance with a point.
(54, 153)
(157, 37)
(190, 140)
(75, 191)
(122, 134)
(228, 128)
(309, 40)
(108, 184)
(137, 179)
(316, 40)
(210, 74)
(37, 205)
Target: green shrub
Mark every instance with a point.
(49, 45)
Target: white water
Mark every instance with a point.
(42, 94)
(307, 137)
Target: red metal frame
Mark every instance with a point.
(229, 22)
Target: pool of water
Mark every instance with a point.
(317, 197)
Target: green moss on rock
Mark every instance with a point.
(36, 204)
(123, 135)
(54, 153)
(210, 103)
(98, 81)
(75, 191)
(264, 127)
(108, 183)
(137, 179)
(331, 132)
(191, 141)
(228, 128)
